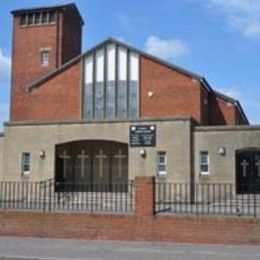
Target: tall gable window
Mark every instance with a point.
(111, 83)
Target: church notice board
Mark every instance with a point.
(142, 135)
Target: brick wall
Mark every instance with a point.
(143, 225)
(57, 98)
(174, 93)
(71, 43)
(222, 112)
(62, 39)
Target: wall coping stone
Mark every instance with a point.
(226, 128)
(86, 122)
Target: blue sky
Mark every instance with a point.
(218, 39)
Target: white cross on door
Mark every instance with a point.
(244, 165)
(101, 157)
(120, 156)
(82, 156)
(64, 156)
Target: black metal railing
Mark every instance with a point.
(207, 199)
(70, 196)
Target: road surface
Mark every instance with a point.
(51, 249)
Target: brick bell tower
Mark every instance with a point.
(43, 40)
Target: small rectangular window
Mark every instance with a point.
(23, 20)
(26, 161)
(37, 18)
(204, 163)
(161, 163)
(52, 17)
(30, 19)
(45, 17)
(45, 58)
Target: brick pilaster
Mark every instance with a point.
(145, 196)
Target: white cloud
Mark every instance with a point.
(166, 48)
(242, 15)
(5, 67)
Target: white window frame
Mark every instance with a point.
(204, 153)
(26, 173)
(159, 154)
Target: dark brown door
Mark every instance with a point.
(92, 165)
(248, 171)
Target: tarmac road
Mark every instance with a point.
(51, 249)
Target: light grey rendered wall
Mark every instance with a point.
(173, 136)
(223, 168)
(1, 155)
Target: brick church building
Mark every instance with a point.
(115, 112)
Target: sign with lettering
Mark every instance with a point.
(142, 135)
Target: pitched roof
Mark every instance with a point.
(39, 81)
(48, 8)
(111, 40)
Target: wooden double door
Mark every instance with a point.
(92, 165)
(248, 171)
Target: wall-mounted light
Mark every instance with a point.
(143, 153)
(42, 154)
(150, 94)
(222, 151)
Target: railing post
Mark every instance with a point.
(50, 187)
(255, 208)
(44, 195)
(145, 196)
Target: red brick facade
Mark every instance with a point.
(143, 225)
(175, 92)
(62, 39)
(57, 98)
(223, 112)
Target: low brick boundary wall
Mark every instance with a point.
(212, 230)
(141, 225)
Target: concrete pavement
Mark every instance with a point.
(53, 249)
